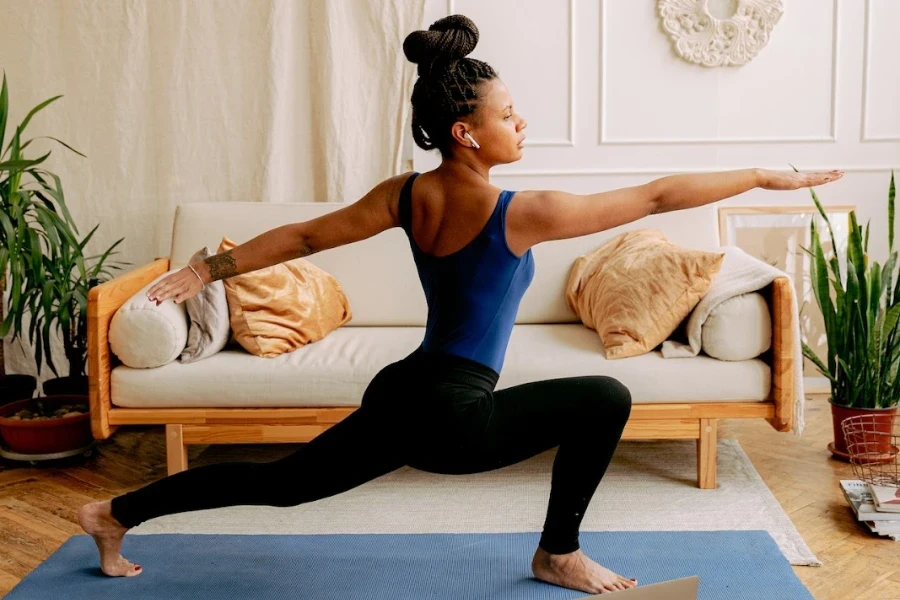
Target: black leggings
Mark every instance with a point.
(434, 413)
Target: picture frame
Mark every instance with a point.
(777, 235)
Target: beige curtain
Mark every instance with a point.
(176, 101)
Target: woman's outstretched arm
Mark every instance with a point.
(677, 192)
(544, 215)
(373, 213)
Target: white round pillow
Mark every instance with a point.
(738, 329)
(144, 335)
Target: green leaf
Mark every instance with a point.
(87, 238)
(50, 137)
(847, 398)
(874, 365)
(824, 216)
(873, 279)
(856, 254)
(36, 110)
(57, 194)
(4, 109)
(887, 280)
(890, 321)
(46, 331)
(36, 252)
(8, 230)
(103, 258)
(892, 193)
(819, 274)
(48, 225)
(22, 164)
(814, 358)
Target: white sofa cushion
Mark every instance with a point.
(738, 329)
(336, 370)
(144, 335)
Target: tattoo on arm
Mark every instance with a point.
(305, 249)
(221, 266)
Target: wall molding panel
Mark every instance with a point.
(865, 136)
(828, 137)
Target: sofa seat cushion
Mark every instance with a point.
(336, 370)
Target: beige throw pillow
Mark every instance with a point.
(636, 289)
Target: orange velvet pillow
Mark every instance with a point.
(280, 308)
(636, 289)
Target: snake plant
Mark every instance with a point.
(861, 310)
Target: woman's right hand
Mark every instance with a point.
(180, 285)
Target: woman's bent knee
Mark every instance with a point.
(613, 398)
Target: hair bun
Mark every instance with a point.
(447, 40)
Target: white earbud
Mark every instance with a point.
(469, 137)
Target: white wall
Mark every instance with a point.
(610, 104)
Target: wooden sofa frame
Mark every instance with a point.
(184, 426)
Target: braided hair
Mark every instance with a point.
(448, 84)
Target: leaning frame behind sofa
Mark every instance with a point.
(184, 426)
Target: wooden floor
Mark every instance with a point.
(37, 505)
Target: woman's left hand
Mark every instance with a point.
(790, 180)
(180, 285)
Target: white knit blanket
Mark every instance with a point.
(739, 274)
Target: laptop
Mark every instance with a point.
(677, 589)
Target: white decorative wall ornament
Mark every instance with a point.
(717, 33)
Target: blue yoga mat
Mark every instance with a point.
(731, 565)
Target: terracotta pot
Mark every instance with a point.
(47, 436)
(878, 431)
(66, 386)
(16, 387)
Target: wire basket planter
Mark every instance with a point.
(873, 443)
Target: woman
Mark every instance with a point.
(437, 409)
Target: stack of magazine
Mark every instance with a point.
(877, 506)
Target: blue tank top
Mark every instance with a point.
(473, 295)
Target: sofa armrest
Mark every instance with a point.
(103, 302)
(783, 364)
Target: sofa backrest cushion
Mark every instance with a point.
(379, 275)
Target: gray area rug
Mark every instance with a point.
(650, 486)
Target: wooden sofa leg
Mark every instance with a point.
(176, 451)
(706, 454)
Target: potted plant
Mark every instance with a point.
(51, 278)
(57, 424)
(46, 426)
(861, 311)
(25, 192)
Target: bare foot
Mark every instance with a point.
(578, 572)
(96, 519)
